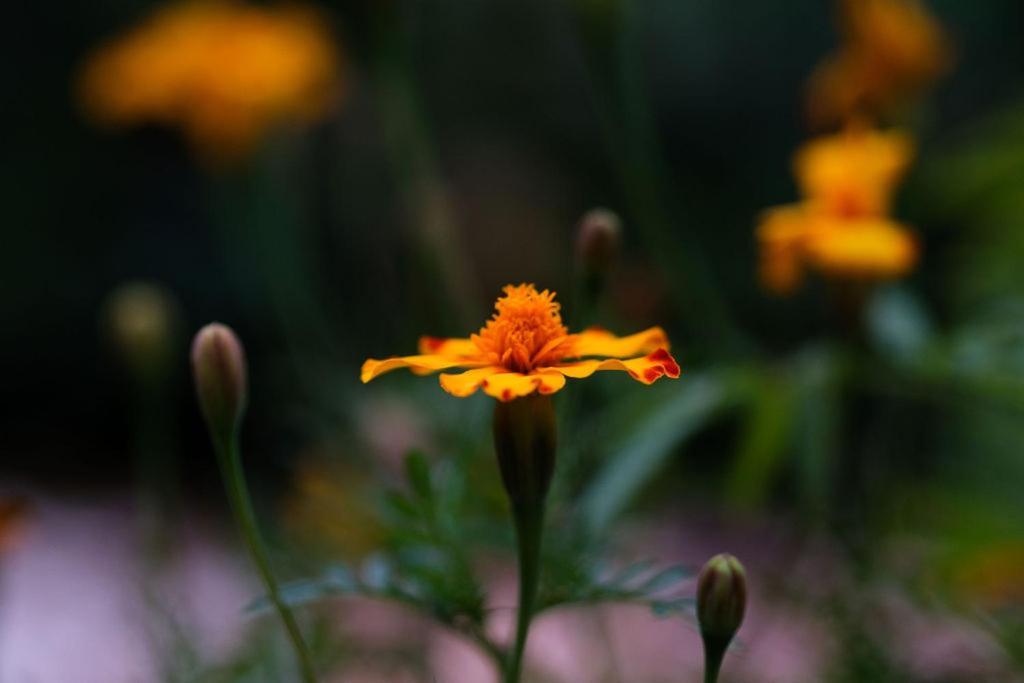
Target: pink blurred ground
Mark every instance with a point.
(74, 609)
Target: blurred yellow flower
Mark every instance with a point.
(840, 228)
(892, 51)
(993, 577)
(525, 347)
(224, 71)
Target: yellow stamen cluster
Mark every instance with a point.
(841, 227)
(223, 71)
(526, 330)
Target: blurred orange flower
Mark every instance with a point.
(525, 347)
(224, 71)
(326, 508)
(993, 577)
(14, 511)
(855, 172)
(840, 228)
(892, 51)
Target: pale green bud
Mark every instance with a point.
(721, 597)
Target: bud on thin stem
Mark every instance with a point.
(142, 321)
(218, 365)
(219, 369)
(597, 244)
(721, 601)
(597, 241)
(525, 442)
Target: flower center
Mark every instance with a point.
(526, 330)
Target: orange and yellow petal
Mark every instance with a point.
(780, 271)
(853, 173)
(598, 342)
(448, 346)
(835, 89)
(466, 383)
(645, 369)
(871, 249)
(901, 44)
(506, 386)
(421, 365)
(781, 233)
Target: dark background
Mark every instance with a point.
(513, 118)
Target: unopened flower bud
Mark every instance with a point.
(597, 240)
(525, 441)
(218, 366)
(141, 320)
(721, 597)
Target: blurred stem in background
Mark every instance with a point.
(598, 239)
(424, 195)
(259, 209)
(612, 33)
(142, 321)
(221, 378)
(597, 247)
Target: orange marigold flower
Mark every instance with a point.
(854, 172)
(861, 249)
(525, 347)
(840, 228)
(223, 71)
(892, 50)
(800, 237)
(781, 234)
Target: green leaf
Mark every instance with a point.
(377, 572)
(669, 608)
(819, 381)
(629, 573)
(337, 580)
(401, 506)
(766, 441)
(898, 324)
(417, 471)
(636, 458)
(665, 579)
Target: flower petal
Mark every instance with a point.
(466, 383)
(448, 347)
(506, 386)
(646, 369)
(598, 342)
(872, 248)
(421, 365)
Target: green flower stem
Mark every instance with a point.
(229, 459)
(525, 443)
(714, 653)
(528, 522)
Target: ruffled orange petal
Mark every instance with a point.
(421, 365)
(866, 249)
(506, 386)
(466, 383)
(646, 369)
(448, 347)
(598, 342)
